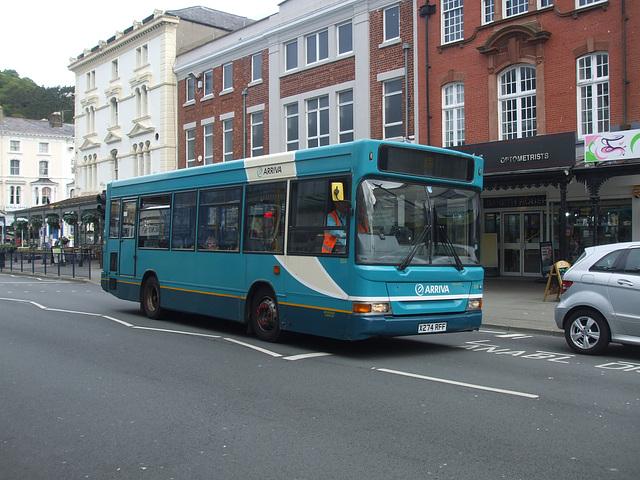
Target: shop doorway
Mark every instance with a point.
(521, 236)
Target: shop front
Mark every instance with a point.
(539, 190)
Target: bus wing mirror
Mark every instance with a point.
(337, 191)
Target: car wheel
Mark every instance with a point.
(265, 318)
(586, 331)
(150, 298)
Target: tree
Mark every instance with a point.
(21, 97)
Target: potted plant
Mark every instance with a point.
(71, 218)
(53, 221)
(36, 222)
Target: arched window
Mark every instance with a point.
(46, 195)
(517, 102)
(115, 120)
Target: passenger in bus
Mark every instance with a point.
(336, 240)
(211, 243)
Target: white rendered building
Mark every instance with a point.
(125, 106)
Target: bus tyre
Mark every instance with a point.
(150, 298)
(265, 319)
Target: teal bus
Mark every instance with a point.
(351, 241)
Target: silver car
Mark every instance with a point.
(601, 298)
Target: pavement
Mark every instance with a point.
(516, 303)
(509, 303)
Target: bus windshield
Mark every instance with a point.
(413, 224)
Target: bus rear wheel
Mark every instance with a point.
(265, 318)
(150, 298)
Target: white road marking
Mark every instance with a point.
(253, 347)
(302, 356)
(514, 335)
(459, 384)
(179, 332)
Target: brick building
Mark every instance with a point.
(526, 84)
(300, 78)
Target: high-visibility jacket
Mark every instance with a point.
(330, 240)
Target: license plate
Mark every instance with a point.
(432, 327)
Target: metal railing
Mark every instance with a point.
(69, 263)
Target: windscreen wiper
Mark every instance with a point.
(414, 249)
(451, 251)
(427, 227)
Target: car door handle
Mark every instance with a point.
(622, 281)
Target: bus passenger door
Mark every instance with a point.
(128, 238)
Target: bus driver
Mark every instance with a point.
(335, 240)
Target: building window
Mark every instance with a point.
(91, 80)
(46, 196)
(227, 139)
(291, 55)
(515, 7)
(317, 47)
(114, 69)
(256, 67)
(14, 195)
(545, 3)
(208, 144)
(345, 38)
(453, 114)
(208, 83)
(90, 120)
(43, 148)
(586, 3)
(142, 56)
(257, 138)
(593, 93)
(191, 147)
(488, 11)
(391, 23)
(517, 102)
(345, 116)
(318, 121)
(43, 169)
(114, 112)
(191, 89)
(293, 130)
(14, 168)
(227, 76)
(392, 96)
(14, 146)
(452, 21)
(141, 102)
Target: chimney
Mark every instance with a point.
(55, 120)
(1, 116)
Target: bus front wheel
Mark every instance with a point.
(150, 298)
(265, 319)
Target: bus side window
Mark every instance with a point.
(218, 219)
(114, 219)
(184, 221)
(264, 217)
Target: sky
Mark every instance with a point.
(38, 37)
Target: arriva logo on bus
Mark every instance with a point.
(265, 171)
(422, 290)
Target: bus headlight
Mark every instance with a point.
(371, 307)
(474, 304)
